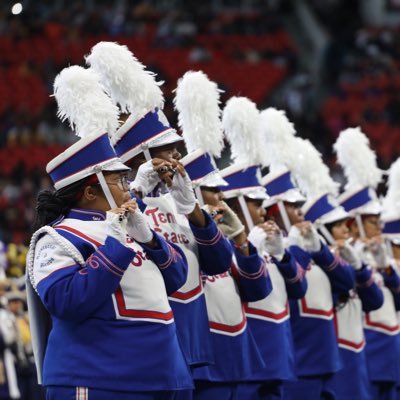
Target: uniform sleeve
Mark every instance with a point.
(293, 274)
(251, 275)
(369, 292)
(71, 291)
(215, 251)
(392, 282)
(171, 262)
(340, 274)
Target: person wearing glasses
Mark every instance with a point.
(99, 271)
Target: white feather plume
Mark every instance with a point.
(242, 126)
(82, 101)
(126, 80)
(391, 203)
(197, 101)
(309, 170)
(357, 159)
(277, 134)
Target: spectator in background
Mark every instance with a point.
(8, 340)
(3, 260)
(25, 364)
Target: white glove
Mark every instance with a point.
(378, 251)
(116, 227)
(146, 179)
(295, 238)
(230, 224)
(138, 228)
(274, 245)
(257, 237)
(373, 254)
(312, 241)
(182, 192)
(348, 254)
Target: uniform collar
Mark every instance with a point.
(86, 215)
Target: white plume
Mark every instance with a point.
(309, 171)
(391, 203)
(127, 82)
(357, 159)
(197, 101)
(277, 134)
(82, 101)
(242, 127)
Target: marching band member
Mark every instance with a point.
(391, 223)
(268, 318)
(381, 326)
(148, 144)
(98, 269)
(236, 354)
(321, 208)
(312, 316)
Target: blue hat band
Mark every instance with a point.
(145, 129)
(318, 209)
(96, 152)
(391, 227)
(357, 200)
(243, 179)
(280, 184)
(200, 167)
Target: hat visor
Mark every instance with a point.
(212, 180)
(168, 137)
(371, 208)
(292, 196)
(257, 194)
(115, 165)
(337, 214)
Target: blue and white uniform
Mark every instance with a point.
(109, 307)
(236, 353)
(269, 321)
(206, 250)
(383, 340)
(312, 322)
(352, 381)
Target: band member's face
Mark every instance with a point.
(340, 230)
(372, 225)
(211, 196)
(294, 213)
(256, 210)
(168, 152)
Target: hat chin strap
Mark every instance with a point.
(284, 215)
(106, 189)
(246, 212)
(326, 233)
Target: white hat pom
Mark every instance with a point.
(82, 101)
(242, 127)
(197, 101)
(126, 80)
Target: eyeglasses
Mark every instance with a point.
(123, 183)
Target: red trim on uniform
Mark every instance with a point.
(354, 345)
(187, 295)
(78, 233)
(228, 328)
(379, 325)
(124, 312)
(345, 342)
(315, 311)
(267, 314)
